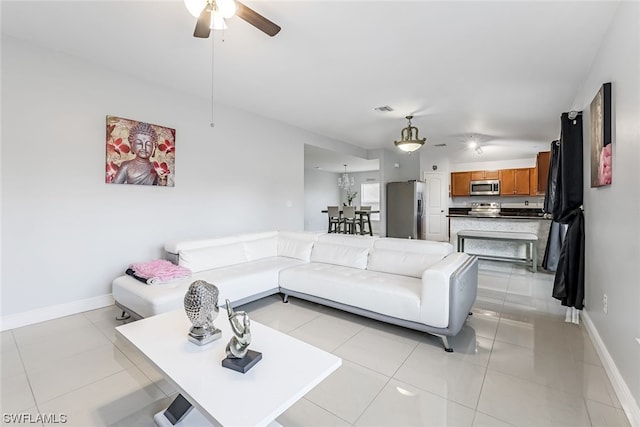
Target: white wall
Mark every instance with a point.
(612, 213)
(66, 234)
(320, 190)
(431, 157)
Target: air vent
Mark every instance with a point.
(439, 145)
(384, 109)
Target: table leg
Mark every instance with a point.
(193, 419)
(179, 408)
(534, 256)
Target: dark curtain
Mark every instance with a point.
(556, 230)
(568, 286)
(555, 240)
(551, 196)
(565, 206)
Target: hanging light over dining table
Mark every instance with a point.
(345, 181)
(409, 139)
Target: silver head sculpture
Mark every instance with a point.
(201, 305)
(239, 344)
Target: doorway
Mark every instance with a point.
(436, 204)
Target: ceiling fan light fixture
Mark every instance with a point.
(226, 8)
(409, 139)
(195, 6)
(217, 22)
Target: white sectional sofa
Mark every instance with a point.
(421, 285)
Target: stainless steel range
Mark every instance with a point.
(489, 209)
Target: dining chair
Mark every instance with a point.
(349, 219)
(364, 218)
(334, 219)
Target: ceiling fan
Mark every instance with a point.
(212, 13)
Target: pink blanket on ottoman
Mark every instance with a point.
(159, 270)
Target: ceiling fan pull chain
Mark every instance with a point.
(212, 46)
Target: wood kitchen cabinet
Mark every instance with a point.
(533, 181)
(542, 168)
(481, 175)
(514, 182)
(539, 175)
(460, 182)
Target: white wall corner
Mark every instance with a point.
(628, 403)
(43, 314)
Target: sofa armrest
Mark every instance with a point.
(449, 290)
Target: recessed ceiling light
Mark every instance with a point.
(384, 109)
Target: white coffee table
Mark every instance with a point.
(288, 370)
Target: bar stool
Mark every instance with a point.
(334, 219)
(364, 218)
(349, 219)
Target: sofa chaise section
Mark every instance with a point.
(243, 268)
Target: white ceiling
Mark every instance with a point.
(500, 71)
(330, 161)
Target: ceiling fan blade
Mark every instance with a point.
(257, 20)
(203, 26)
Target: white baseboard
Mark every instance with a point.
(38, 315)
(629, 404)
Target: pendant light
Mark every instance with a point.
(345, 181)
(409, 140)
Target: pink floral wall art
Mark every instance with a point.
(139, 153)
(601, 155)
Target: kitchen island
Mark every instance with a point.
(520, 220)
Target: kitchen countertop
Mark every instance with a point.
(505, 213)
(498, 217)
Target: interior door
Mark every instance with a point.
(435, 201)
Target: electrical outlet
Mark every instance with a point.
(605, 308)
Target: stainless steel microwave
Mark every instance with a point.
(488, 187)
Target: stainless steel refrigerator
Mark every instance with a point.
(405, 209)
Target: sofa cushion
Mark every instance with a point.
(387, 294)
(175, 246)
(347, 256)
(295, 248)
(400, 262)
(212, 257)
(261, 248)
(417, 246)
(348, 240)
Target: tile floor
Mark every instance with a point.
(515, 363)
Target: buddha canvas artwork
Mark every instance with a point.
(139, 153)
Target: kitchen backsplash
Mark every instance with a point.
(505, 202)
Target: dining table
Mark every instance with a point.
(360, 214)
